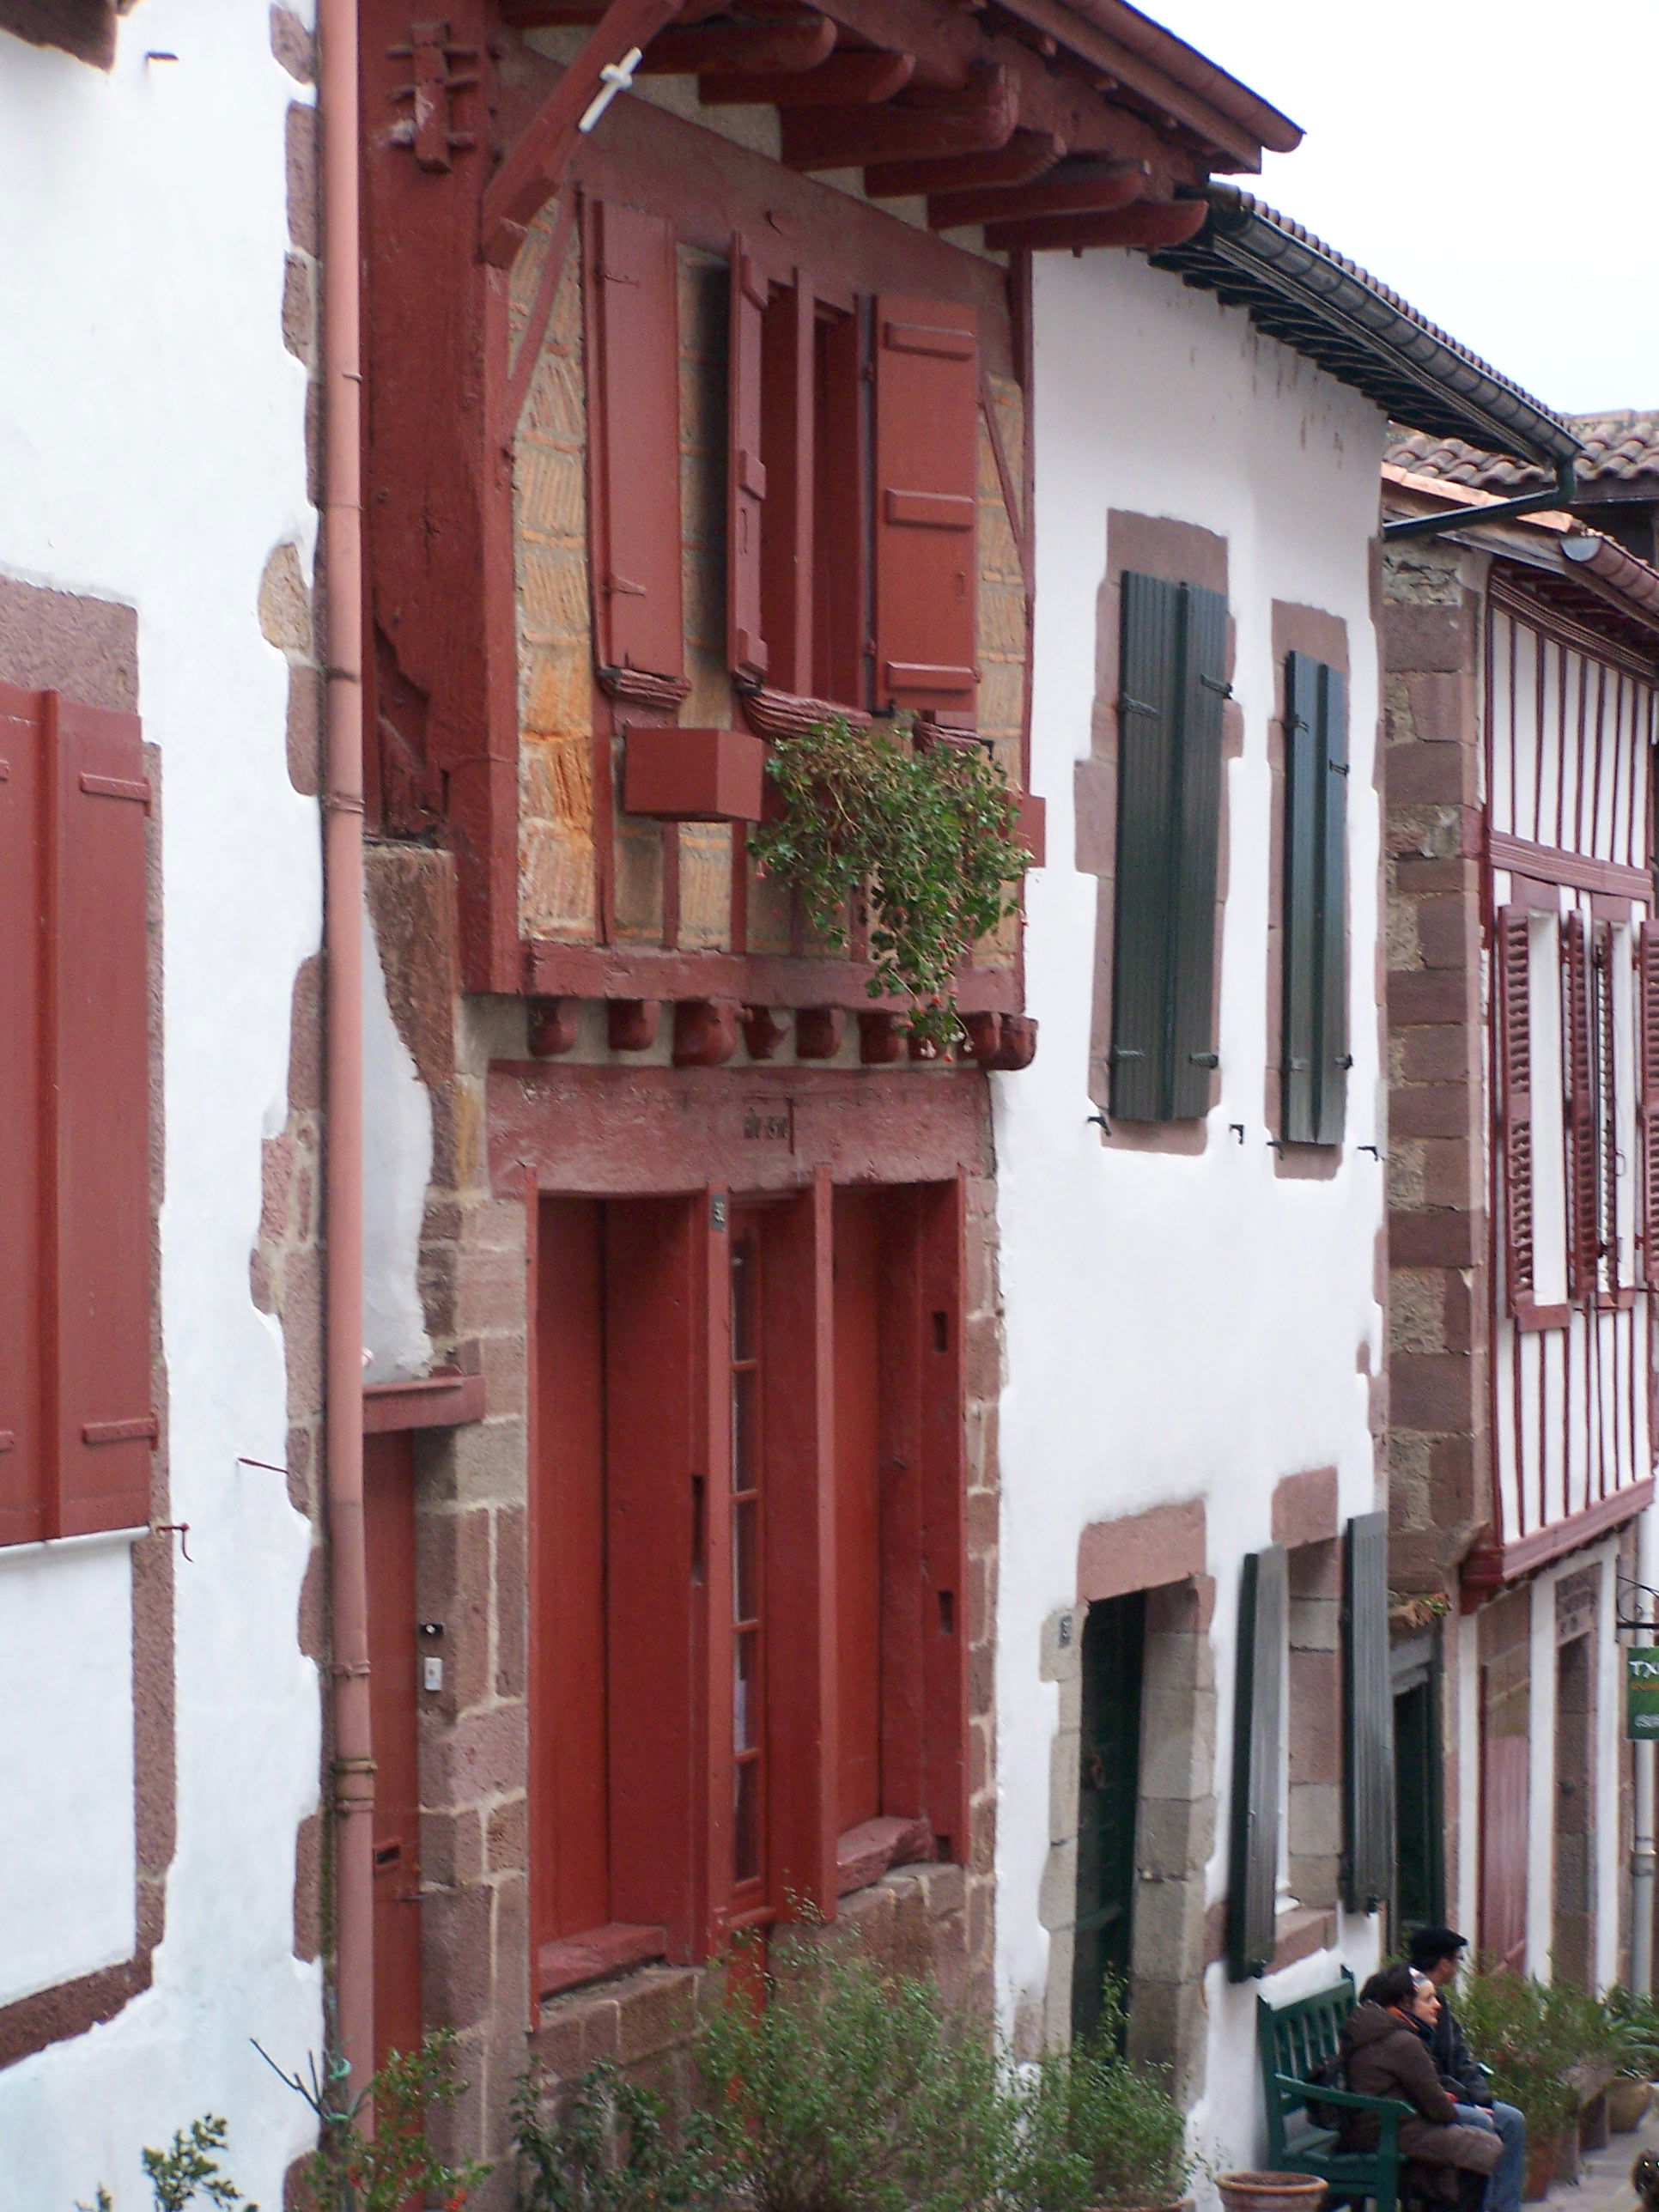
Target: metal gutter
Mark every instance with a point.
(1560, 498)
(1303, 292)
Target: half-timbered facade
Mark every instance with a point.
(698, 412)
(1523, 999)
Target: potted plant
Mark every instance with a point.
(1531, 2038)
(923, 833)
(1634, 2025)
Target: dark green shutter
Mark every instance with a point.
(1258, 1754)
(1172, 662)
(1368, 1715)
(1313, 1055)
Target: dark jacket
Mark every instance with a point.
(1383, 2055)
(1454, 2062)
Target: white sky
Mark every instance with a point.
(1491, 160)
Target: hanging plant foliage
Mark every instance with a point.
(925, 835)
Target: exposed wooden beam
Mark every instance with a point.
(717, 49)
(1152, 223)
(1077, 188)
(976, 120)
(1027, 154)
(536, 164)
(854, 80)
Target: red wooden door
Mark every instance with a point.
(857, 1503)
(393, 1686)
(1505, 1773)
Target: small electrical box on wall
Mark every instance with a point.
(431, 1658)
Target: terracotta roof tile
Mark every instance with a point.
(1618, 447)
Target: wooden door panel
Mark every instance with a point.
(857, 1502)
(1505, 1776)
(394, 1700)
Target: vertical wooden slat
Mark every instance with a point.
(1298, 1069)
(1334, 910)
(1148, 725)
(1583, 1195)
(788, 387)
(637, 445)
(23, 1078)
(1192, 950)
(1367, 1710)
(100, 1196)
(745, 471)
(1647, 987)
(1258, 1751)
(926, 506)
(1514, 959)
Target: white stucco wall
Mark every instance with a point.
(397, 1168)
(151, 449)
(1177, 1328)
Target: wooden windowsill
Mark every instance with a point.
(573, 1961)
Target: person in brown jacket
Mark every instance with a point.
(1383, 2055)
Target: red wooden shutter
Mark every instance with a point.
(1584, 1204)
(22, 1492)
(1607, 1123)
(1647, 984)
(1513, 948)
(99, 1016)
(746, 472)
(926, 485)
(788, 354)
(636, 429)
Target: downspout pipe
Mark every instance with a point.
(353, 1765)
(1476, 517)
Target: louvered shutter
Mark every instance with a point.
(1368, 1712)
(1172, 656)
(637, 526)
(745, 480)
(1192, 979)
(1314, 1058)
(1606, 1101)
(23, 891)
(1298, 1074)
(1334, 909)
(926, 503)
(1647, 985)
(1513, 948)
(100, 1002)
(1583, 1196)
(1258, 1754)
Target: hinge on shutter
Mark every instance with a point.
(1215, 684)
(1121, 1052)
(426, 129)
(1127, 705)
(1343, 1059)
(1205, 1058)
(1337, 768)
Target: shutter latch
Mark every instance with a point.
(1205, 1058)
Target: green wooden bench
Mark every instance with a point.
(1294, 2039)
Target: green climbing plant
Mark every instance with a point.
(924, 833)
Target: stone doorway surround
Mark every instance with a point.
(1162, 1551)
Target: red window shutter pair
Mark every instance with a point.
(76, 1425)
(793, 529)
(1514, 1099)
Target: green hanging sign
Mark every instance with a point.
(1642, 1695)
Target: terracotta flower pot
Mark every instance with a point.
(1627, 2100)
(1542, 2154)
(1271, 2192)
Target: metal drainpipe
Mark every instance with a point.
(1642, 1762)
(1476, 517)
(352, 1772)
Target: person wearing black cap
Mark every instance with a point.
(1435, 1952)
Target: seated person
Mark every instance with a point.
(1383, 2055)
(1435, 1952)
